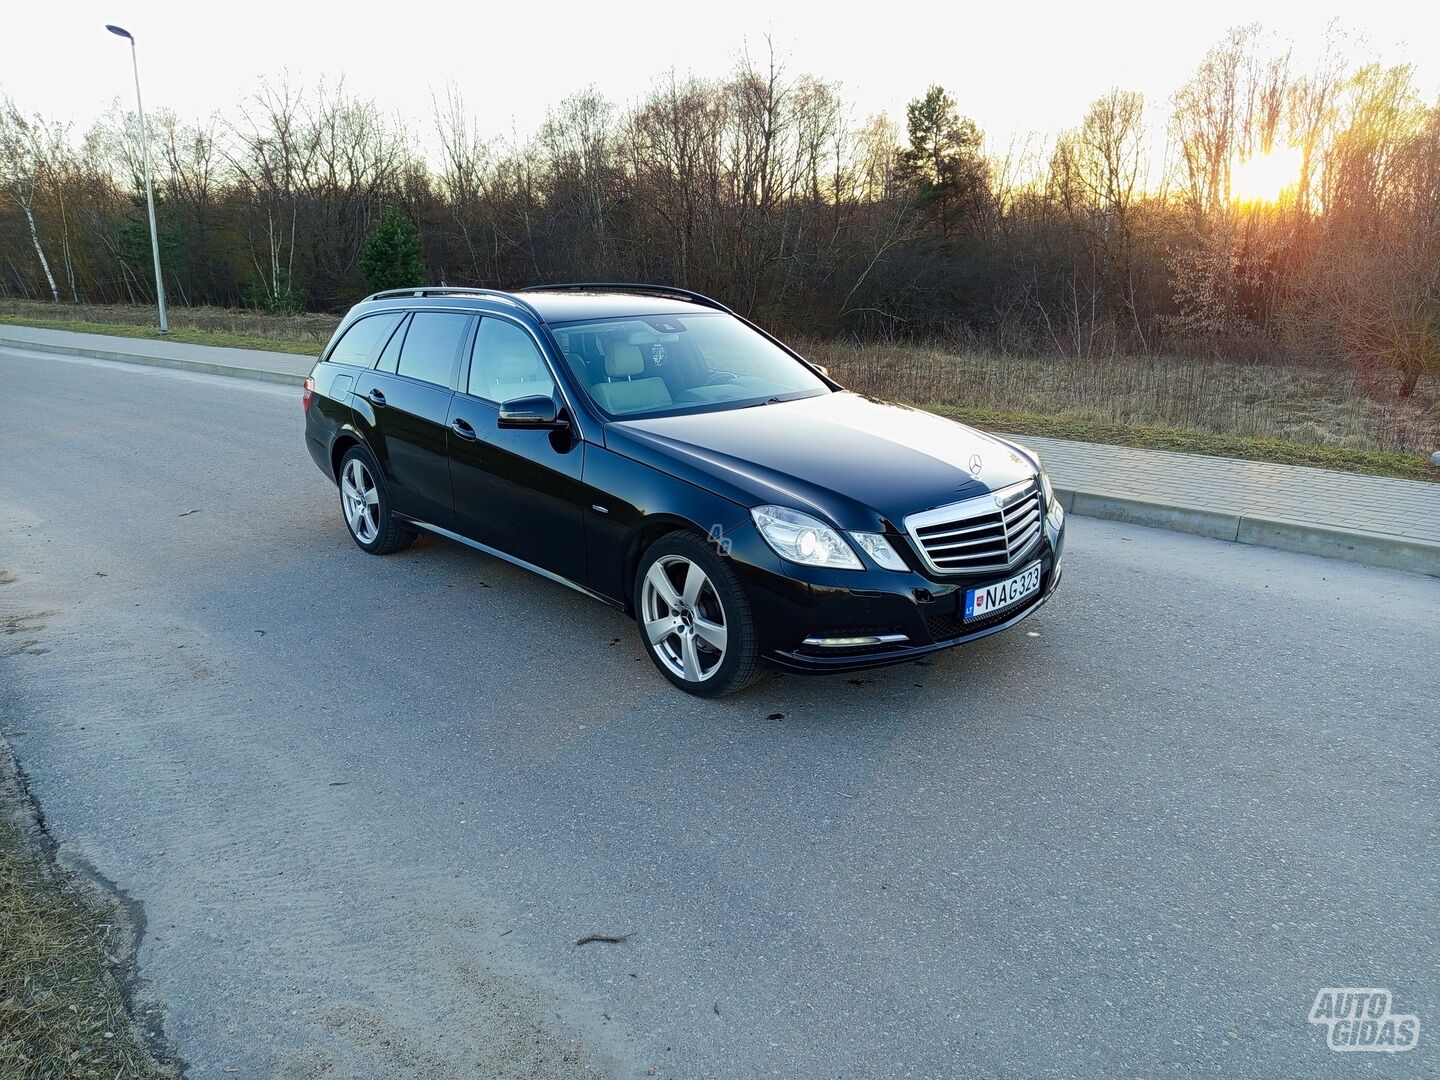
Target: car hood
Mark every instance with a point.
(860, 462)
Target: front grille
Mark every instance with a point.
(992, 532)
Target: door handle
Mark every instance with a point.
(462, 429)
(376, 398)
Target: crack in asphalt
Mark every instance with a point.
(128, 927)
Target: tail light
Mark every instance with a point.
(307, 394)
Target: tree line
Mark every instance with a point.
(763, 188)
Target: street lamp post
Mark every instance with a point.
(149, 191)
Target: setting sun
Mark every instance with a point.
(1265, 178)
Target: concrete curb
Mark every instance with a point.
(1352, 545)
(1201, 522)
(201, 366)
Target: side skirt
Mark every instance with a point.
(488, 550)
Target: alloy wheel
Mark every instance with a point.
(683, 618)
(361, 501)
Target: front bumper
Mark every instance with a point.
(925, 613)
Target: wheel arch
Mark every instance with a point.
(645, 533)
(345, 438)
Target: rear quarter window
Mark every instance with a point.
(358, 344)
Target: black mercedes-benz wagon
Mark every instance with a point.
(649, 447)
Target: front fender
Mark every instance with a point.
(635, 504)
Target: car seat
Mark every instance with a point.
(621, 392)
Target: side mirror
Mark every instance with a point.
(821, 368)
(539, 412)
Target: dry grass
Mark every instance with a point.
(1306, 406)
(1192, 441)
(231, 328)
(61, 1011)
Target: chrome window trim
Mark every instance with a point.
(462, 371)
(327, 355)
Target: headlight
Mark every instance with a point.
(879, 549)
(802, 539)
(1053, 510)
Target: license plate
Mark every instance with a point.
(1003, 594)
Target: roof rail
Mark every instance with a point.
(455, 290)
(633, 287)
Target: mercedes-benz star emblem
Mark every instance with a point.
(975, 464)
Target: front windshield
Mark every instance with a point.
(659, 365)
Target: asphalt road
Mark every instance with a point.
(365, 806)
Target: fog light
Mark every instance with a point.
(852, 642)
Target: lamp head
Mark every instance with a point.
(119, 31)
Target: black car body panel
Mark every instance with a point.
(632, 502)
(581, 502)
(823, 450)
(404, 422)
(534, 475)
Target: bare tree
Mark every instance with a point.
(1213, 118)
(1096, 173)
(29, 150)
(760, 186)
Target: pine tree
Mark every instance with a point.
(390, 258)
(943, 161)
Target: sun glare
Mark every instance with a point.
(1265, 178)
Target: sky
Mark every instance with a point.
(1018, 70)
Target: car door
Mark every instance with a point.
(405, 403)
(519, 491)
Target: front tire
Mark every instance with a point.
(366, 507)
(694, 617)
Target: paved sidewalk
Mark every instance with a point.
(1374, 520)
(1249, 501)
(1289, 492)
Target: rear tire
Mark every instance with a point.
(694, 617)
(366, 506)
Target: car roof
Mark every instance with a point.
(576, 305)
(561, 304)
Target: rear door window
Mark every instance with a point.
(359, 343)
(432, 346)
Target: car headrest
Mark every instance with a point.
(623, 359)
